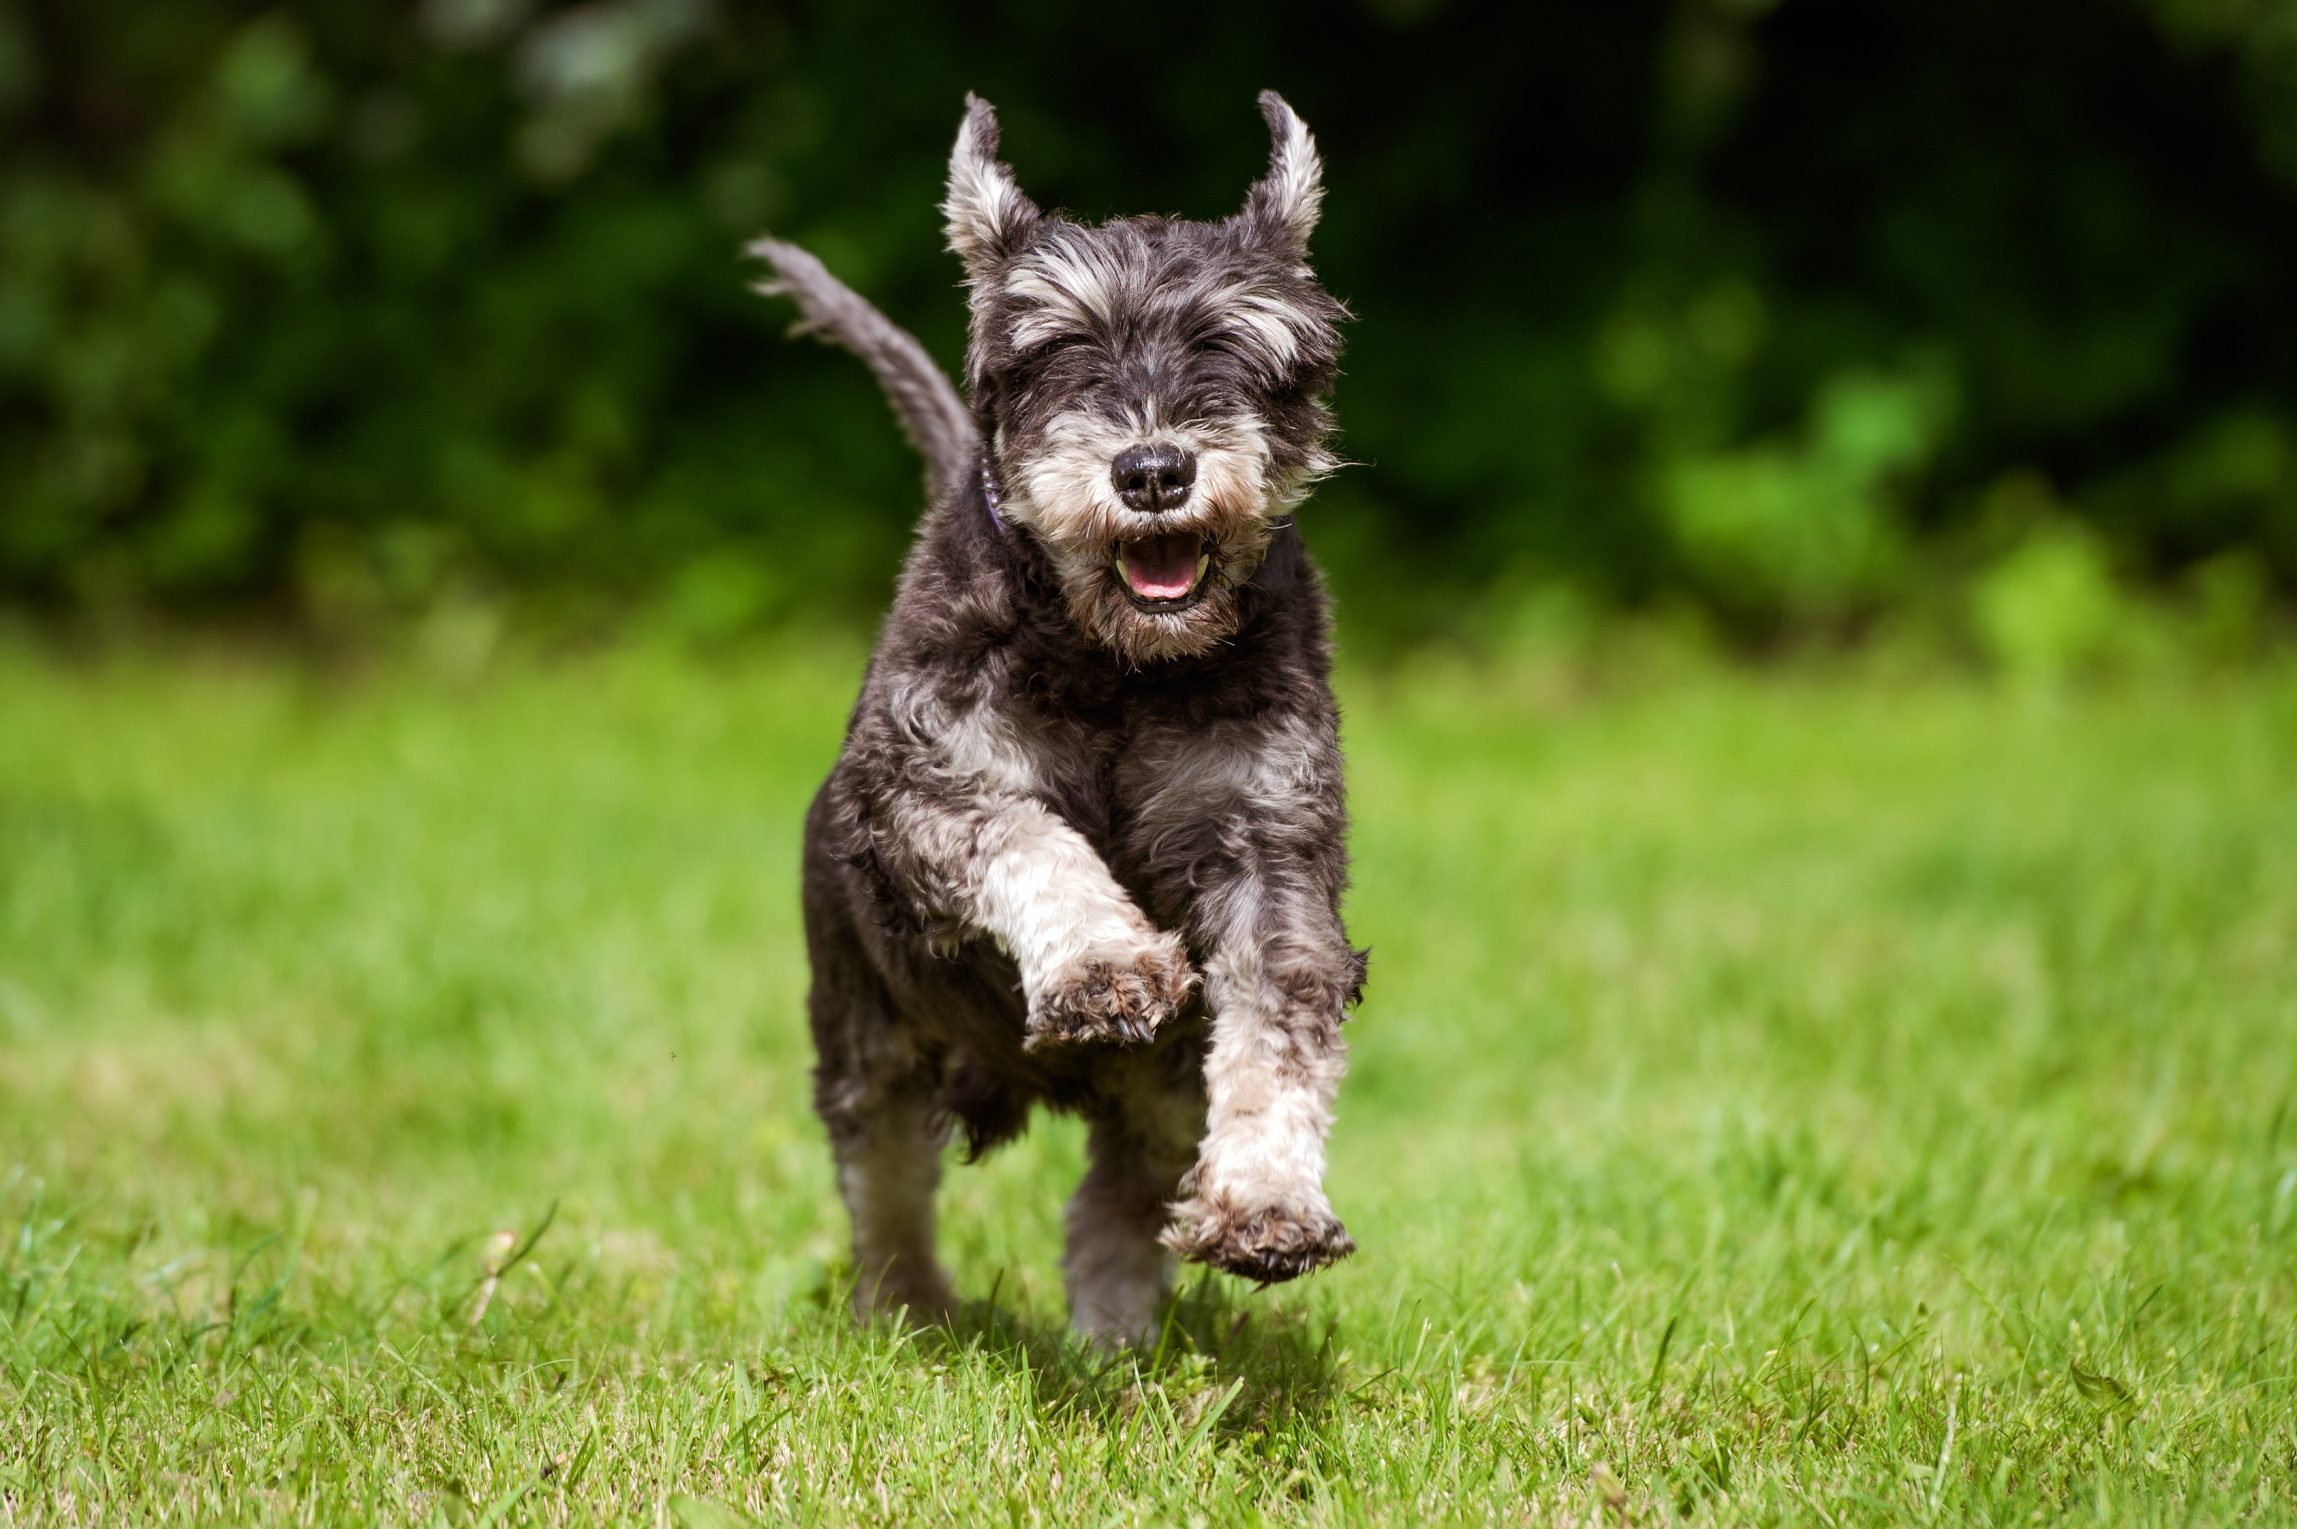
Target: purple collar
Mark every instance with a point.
(991, 498)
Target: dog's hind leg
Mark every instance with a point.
(888, 1150)
(1143, 1131)
(875, 1092)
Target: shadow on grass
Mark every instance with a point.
(1226, 1362)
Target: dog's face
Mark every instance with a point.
(1151, 389)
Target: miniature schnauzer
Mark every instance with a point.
(1084, 843)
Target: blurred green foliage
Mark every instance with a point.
(1795, 317)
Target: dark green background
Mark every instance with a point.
(1798, 316)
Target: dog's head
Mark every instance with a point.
(1151, 389)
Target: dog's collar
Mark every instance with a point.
(990, 497)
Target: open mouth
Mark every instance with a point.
(1164, 573)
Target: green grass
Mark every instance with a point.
(1778, 1098)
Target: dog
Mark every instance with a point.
(1084, 845)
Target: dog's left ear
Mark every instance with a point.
(1286, 201)
(986, 212)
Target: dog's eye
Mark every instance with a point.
(1046, 349)
(1217, 342)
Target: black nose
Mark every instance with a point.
(1153, 478)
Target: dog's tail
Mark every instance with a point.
(932, 414)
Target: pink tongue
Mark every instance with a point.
(1161, 567)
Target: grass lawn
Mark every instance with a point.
(1795, 1097)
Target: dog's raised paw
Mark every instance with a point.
(1112, 1000)
(1266, 1245)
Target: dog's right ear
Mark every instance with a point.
(987, 215)
(1286, 202)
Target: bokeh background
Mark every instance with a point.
(1818, 603)
(1930, 320)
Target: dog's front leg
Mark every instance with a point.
(1278, 973)
(979, 855)
(1093, 967)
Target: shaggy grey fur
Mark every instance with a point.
(1084, 845)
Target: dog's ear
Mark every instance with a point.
(986, 212)
(1284, 203)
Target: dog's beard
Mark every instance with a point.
(1151, 586)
